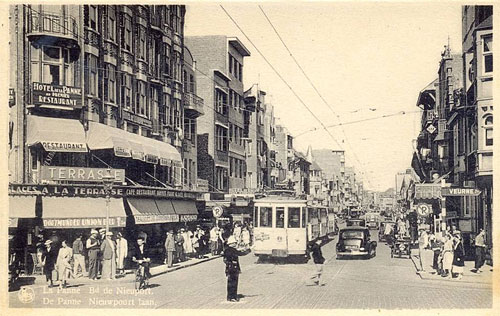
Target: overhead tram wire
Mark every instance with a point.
(314, 87)
(279, 75)
(359, 121)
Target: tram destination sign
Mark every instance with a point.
(460, 192)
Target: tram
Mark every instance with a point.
(284, 225)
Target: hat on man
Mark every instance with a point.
(231, 240)
(48, 242)
(102, 230)
(119, 234)
(109, 234)
(183, 230)
(171, 231)
(93, 231)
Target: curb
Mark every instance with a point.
(162, 269)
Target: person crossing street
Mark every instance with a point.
(233, 269)
(318, 260)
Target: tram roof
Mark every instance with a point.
(277, 198)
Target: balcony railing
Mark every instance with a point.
(194, 103)
(53, 24)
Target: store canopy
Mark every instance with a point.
(56, 134)
(76, 212)
(146, 211)
(127, 144)
(424, 191)
(186, 209)
(22, 206)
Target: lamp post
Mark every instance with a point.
(108, 181)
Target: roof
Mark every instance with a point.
(236, 43)
(427, 96)
(315, 166)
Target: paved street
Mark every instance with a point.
(380, 282)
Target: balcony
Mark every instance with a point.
(193, 105)
(63, 30)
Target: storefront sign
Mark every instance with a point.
(160, 218)
(137, 155)
(65, 147)
(83, 222)
(189, 218)
(151, 159)
(121, 152)
(97, 191)
(80, 174)
(460, 192)
(137, 119)
(47, 94)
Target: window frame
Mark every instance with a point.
(487, 53)
(488, 129)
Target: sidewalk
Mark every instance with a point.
(469, 277)
(129, 275)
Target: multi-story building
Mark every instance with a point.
(221, 145)
(476, 151)
(283, 147)
(318, 184)
(332, 164)
(98, 89)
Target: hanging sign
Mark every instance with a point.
(424, 209)
(217, 211)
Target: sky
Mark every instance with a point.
(366, 60)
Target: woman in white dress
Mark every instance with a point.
(448, 256)
(63, 263)
(188, 246)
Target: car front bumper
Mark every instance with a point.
(352, 253)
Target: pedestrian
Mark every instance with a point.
(170, 248)
(121, 253)
(423, 249)
(458, 256)
(245, 236)
(198, 242)
(142, 253)
(188, 246)
(93, 246)
(196, 245)
(318, 260)
(108, 249)
(233, 268)
(102, 238)
(49, 258)
(237, 232)
(214, 237)
(63, 264)
(179, 246)
(480, 248)
(435, 245)
(220, 241)
(447, 255)
(250, 230)
(78, 257)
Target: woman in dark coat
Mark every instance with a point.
(458, 256)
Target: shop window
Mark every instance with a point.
(265, 217)
(488, 53)
(488, 128)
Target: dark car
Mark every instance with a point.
(355, 241)
(381, 232)
(355, 222)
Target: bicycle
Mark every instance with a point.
(141, 279)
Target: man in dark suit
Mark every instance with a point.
(49, 257)
(233, 269)
(141, 255)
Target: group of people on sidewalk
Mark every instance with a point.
(183, 244)
(447, 253)
(105, 257)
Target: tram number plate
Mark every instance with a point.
(279, 253)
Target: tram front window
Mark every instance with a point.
(266, 217)
(293, 217)
(280, 217)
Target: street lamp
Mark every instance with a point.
(107, 181)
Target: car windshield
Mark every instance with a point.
(352, 234)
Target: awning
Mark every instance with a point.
(21, 207)
(56, 134)
(100, 136)
(186, 209)
(127, 144)
(146, 211)
(76, 212)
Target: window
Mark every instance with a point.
(231, 61)
(93, 17)
(111, 25)
(52, 65)
(110, 83)
(280, 217)
(303, 218)
(155, 101)
(141, 98)
(488, 126)
(91, 87)
(126, 91)
(240, 72)
(189, 128)
(127, 32)
(142, 43)
(221, 102)
(221, 142)
(230, 132)
(265, 217)
(293, 217)
(488, 53)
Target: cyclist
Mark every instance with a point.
(141, 256)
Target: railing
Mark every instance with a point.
(92, 38)
(110, 49)
(193, 102)
(52, 23)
